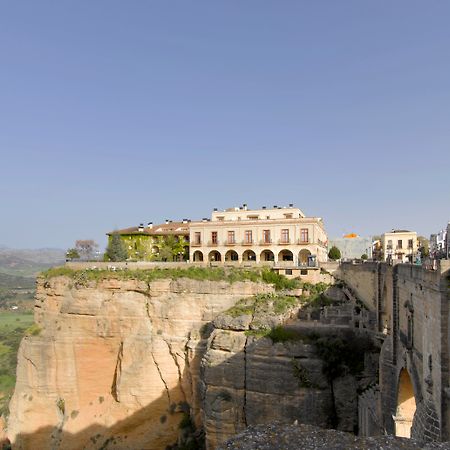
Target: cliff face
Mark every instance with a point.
(116, 363)
(249, 379)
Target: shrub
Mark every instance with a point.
(334, 253)
(34, 330)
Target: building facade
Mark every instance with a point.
(399, 246)
(440, 244)
(145, 243)
(281, 235)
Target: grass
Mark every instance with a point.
(231, 275)
(12, 329)
(269, 303)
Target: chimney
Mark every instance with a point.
(291, 205)
(245, 206)
(204, 219)
(275, 207)
(167, 221)
(150, 225)
(141, 227)
(215, 209)
(263, 207)
(185, 221)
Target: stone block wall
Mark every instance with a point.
(411, 304)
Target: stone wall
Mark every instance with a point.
(412, 312)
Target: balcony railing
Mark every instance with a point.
(304, 241)
(284, 241)
(213, 243)
(230, 242)
(196, 244)
(248, 242)
(265, 242)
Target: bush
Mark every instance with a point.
(334, 253)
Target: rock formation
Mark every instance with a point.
(250, 379)
(116, 362)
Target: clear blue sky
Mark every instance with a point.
(114, 113)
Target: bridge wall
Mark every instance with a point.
(411, 304)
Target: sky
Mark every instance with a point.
(114, 113)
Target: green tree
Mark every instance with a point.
(364, 256)
(72, 253)
(424, 246)
(334, 253)
(116, 250)
(171, 248)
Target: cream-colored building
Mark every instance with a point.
(399, 246)
(280, 235)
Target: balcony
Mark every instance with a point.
(265, 242)
(248, 242)
(304, 241)
(213, 243)
(196, 244)
(230, 243)
(284, 241)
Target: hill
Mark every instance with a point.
(28, 263)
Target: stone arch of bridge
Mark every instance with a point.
(406, 405)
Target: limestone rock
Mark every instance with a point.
(116, 361)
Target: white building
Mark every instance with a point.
(281, 235)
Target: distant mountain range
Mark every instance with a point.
(28, 263)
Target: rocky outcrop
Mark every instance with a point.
(251, 375)
(116, 363)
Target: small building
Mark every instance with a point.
(439, 244)
(399, 246)
(280, 236)
(352, 246)
(143, 243)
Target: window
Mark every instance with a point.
(288, 271)
(389, 244)
(197, 237)
(266, 236)
(214, 237)
(400, 244)
(285, 236)
(248, 237)
(231, 239)
(410, 243)
(303, 272)
(304, 235)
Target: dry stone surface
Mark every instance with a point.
(306, 437)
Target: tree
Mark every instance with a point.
(86, 248)
(72, 253)
(364, 256)
(116, 250)
(334, 253)
(171, 248)
(424, 246)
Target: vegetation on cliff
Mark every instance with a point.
(13, 326)
(231, 275)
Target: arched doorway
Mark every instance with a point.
(197, 256)
(303, 257)
(406, 405)
(249, 255)
(215, 256)
(285, 255)
(231, 255)
(267, 255)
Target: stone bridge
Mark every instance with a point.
(410, 304)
